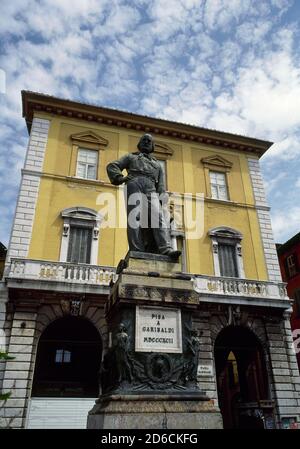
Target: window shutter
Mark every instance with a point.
(80, 241)
(227, 260)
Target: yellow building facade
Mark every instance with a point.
(186, 173)
(232, 259)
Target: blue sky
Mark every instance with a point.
(231, 65)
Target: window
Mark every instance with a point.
(218, 185)
(80, 235)
(62, 356)
(178, 243)
(79, 250)
(291, 265)
(227, 252)
(163, 166)
(228, 260)
(87, 164)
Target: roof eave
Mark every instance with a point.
(32, 101)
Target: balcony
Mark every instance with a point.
(241, 291)
(65, 276)
(41, 274)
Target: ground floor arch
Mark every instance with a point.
(242, 379)
(68, 359)
(66, 374)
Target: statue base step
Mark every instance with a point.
(149, 262)
(192, 411)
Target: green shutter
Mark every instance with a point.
(227, 260)
(80, 242)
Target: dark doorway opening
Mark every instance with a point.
(242, 379)
(68, 360)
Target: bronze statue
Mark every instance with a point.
(121, 350)
(149, 231)
(193, 350)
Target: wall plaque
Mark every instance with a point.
(158, 329)
(205, 370)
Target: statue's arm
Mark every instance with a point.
(114, 170)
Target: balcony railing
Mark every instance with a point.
(100, 275)
(212, 285)
(61, 272)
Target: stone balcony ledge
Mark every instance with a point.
(241, 291)
(60, 272)
(42, 274)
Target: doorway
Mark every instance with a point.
(242, 379)
(66, 376)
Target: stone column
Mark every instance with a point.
(19, 371)
(207, 382)
(286, 381)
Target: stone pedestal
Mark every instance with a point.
(154, 412)
(149, 373)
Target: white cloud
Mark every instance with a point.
(286, 223)
(285, 149)
(231, 65)
(272, 184)
(253, 32)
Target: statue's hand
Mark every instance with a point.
(119, 180)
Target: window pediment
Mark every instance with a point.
(84, 213)
(162, 150)
(226, 233)
(216, 163)
(89, 137)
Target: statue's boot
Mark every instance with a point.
(174, 254)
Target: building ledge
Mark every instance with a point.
(241, 291)
(59, 276)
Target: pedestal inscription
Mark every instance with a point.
(158, 330)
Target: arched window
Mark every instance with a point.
(227, 252)
(68, 359)
(79, 242)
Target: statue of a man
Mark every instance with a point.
(145, 183)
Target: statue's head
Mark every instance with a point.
(122, 327)
(146, 144)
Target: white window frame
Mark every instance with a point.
(77, 214)
(218, 186)
(291, 265)
(87, 165)
(234, 237)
